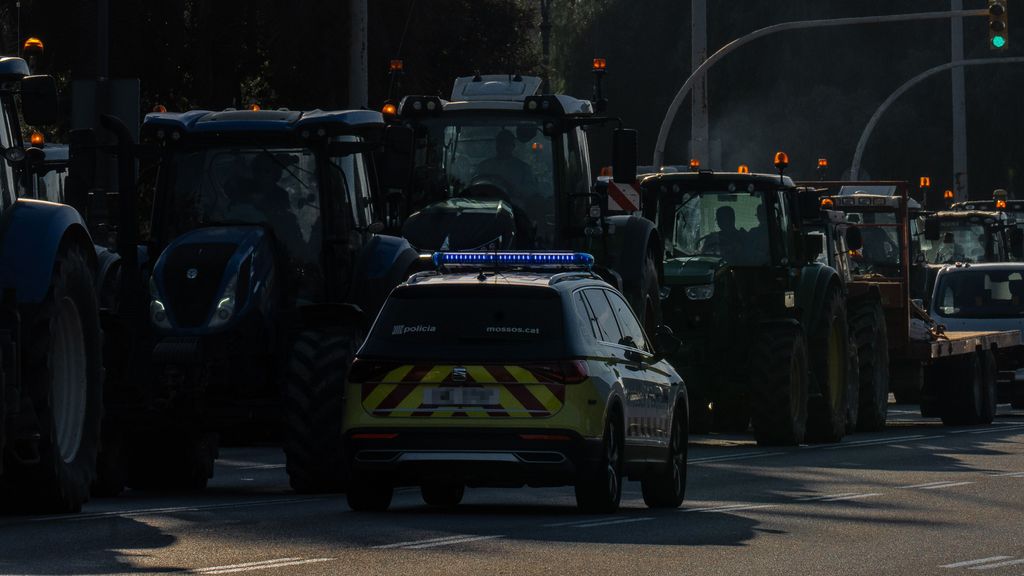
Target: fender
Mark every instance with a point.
(815, 282)
(631, 242)
(385, 262)
(32, 234)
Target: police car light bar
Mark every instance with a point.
(537, 260)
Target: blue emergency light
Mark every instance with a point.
(522, 260)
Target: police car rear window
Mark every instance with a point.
(496, 323)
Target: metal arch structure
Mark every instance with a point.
(677, 102)
(870, 127)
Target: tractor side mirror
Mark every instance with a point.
(814, 245)
(624, 155)
(932, 230)
(854, 239)
(808, 203)
(39, 100)
(398, 158)
(666, 343)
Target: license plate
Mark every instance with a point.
(457, 396)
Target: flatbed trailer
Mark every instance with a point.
(958, 376)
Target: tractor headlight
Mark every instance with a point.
(157, 310)
(700, 292)
(225, 304)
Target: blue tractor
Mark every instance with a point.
(261, 271)
(51, 361)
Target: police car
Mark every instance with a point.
(511, 369)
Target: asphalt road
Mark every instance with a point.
(918, 498)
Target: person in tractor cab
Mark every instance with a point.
(505, 170)
(728, 240)
(263, 199)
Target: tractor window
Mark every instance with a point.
(958, 241)
(780, 211)
(276, 187)
(730, 225)
(7, 140)
(488, 157)
(881, 252)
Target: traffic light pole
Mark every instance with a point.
(866, 134)
(700, 71)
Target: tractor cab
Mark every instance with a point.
(1014, 211)
(969, 236)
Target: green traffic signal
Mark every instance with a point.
(998, 41)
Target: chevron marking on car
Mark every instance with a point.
(407, 390)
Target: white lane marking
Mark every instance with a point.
(283, 564)
(743, 456)
(925, 485)
(243, 565)
(450, 542)
(574, 522)
(949, 485)
(263, 467)
(740, 508)
(882, 442)
(998, 564)
(148, 511)
(1009, 474)
(610, 522)
(823, 497)
(999, 429)
(975, 562)
(853, 497)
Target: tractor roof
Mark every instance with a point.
(970, 214)
(496, 92)
(709, 176)
(13, 68)
(265, 121)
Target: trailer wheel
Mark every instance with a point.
(963, 391)
(867, 323)
(989, 383)
(314, 389)
(63, 384)
(779, 386)
(830, 356)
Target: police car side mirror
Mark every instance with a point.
(665, 342)
(624, 155)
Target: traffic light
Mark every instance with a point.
(998, 25)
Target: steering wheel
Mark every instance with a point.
(487, 186)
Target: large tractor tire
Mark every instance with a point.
(852, 385)
(779, 386)
(829, 361)
(645, 298)
(313, 394)
(63, 384)
(867, 323)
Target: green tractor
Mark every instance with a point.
(763, 322)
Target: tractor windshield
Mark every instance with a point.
(719, 224)
(506, 157)
(880, 253)
(958, 241)
(240, 185)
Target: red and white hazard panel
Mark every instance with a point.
(624, 198)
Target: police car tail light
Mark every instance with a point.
(540, 260)
(564, 372)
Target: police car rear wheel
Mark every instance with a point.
(668, 487)
(599, 487)
(442, 494)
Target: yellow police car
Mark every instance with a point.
(513, 369)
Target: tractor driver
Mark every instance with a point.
(506, 170)
(728, 241)
(267, 202)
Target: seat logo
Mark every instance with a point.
(459, 374)
(191, 273)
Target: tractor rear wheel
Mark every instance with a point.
(826, 413)
(867, 323)
(63, 387)
(779, 386)
(312, 405)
